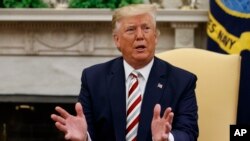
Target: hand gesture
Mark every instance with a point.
(161, 126)
(74, 127)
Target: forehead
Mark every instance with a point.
(137, 19)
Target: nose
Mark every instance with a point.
(139, 34)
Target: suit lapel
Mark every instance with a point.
(153, 92)
(117, 96)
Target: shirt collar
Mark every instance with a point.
(144, 71)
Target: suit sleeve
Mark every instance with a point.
(185, 126)
(85, 99)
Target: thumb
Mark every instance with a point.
(79, 110)
(67, 136)
(157, 110)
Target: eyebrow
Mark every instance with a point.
(132, 25)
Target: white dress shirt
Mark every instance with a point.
(143, 78)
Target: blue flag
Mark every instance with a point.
(228, 32)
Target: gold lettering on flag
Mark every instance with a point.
(227, 41)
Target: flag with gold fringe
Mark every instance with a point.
(228, 32)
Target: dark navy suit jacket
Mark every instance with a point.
(103, 96)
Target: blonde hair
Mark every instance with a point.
(133, 10)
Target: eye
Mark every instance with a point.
(146, 28)
(130, 29)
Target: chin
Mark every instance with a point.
(143, 57)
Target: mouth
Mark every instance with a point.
(140, 48)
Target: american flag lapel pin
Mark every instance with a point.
(160, 85)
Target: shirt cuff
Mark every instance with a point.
(171, 137)
(89, 139)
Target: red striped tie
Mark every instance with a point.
(133, 107)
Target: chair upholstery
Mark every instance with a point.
(216, 90)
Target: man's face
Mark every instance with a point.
(136, 38)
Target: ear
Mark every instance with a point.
(116, 40)
(156, 40)
(157, 34)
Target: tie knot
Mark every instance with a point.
(134, 74)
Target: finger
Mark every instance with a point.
(57, 118)
(53, 117)
(166, 113)
(164, 136)
(168, 128)
(62, 112)
(61, 127)
(79, 110)
(170, 117)
(157, 110)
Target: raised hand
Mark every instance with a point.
(74, 127)
(161, 126)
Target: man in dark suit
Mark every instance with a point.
(122, 99)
